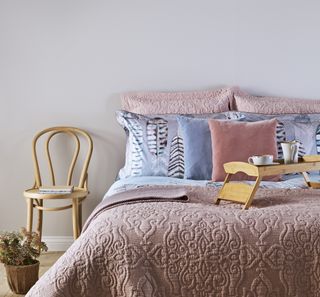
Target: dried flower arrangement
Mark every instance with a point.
(20, 248)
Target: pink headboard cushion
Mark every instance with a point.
(195, 102)
(273, 105)
(237, 141)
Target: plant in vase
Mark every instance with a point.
(19, 252)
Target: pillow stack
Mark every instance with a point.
(192, 134)
(154, 144)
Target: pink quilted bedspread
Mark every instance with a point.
(155, 249)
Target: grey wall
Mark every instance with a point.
(65, 62)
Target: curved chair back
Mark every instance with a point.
(73, 133)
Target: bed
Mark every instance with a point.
(163, 236)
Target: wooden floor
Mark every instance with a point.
(46, 261)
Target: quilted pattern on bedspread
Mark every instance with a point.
(196, 249)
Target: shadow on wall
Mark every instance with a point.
(109, 152)
(116, 138)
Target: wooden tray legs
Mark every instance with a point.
(310, 184)
(243, 193)
(238, 192)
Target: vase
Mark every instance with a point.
(22, 278)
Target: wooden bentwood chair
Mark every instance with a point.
(35, 199)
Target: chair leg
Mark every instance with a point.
(80, 217)
(29, 214)
(40, 219)
(75, 218)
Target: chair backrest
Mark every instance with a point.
(73, 133)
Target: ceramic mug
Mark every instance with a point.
(261, 160)
(290, 151)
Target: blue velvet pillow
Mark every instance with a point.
(196, 137)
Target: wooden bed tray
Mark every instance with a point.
(243, 193)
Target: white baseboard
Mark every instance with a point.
(57, 243)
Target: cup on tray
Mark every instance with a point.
(261, 160)
(290, 151)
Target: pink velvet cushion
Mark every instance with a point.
(273, 105)
(237, 141)
(196, 102)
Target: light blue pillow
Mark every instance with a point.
(196, 137)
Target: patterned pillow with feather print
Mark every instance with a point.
(154, 147)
